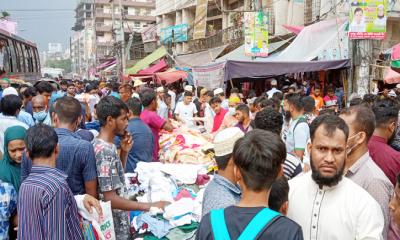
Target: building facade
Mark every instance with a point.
(100, 23)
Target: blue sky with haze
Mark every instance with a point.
(42, 26)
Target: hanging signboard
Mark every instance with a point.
(149, 34)
(200, 20)
(177, 33)
(256, 34)
(368, 19)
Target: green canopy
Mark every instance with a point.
(145, 62)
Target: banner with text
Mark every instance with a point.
(210, 76)
(368, 19)
(177, 33)
(200, 20)
(256, 34)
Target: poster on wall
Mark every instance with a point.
(200, 20)
(256, 34)
(368, 19)
(210, 76)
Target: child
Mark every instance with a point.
(257, 158)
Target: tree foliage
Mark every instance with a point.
(64, 64)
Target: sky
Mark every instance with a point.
(45, 25)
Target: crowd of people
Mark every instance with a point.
(292, 163)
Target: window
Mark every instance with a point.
(29, 58)
(137, 11)
(13, 56)
(88, 14)
(148, 12)
(137, 24)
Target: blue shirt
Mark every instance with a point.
(220, 193)
(47, 207)
(26, 118)
(8, 206)
(76, 158)
(143, 143)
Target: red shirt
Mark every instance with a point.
(385, 157)
(218, 119)
(155, 123)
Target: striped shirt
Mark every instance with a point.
(292, 166)
(46, 207)
(76, 159)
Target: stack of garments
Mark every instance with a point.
(185, 145)
(181, 184)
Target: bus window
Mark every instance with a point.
(28, 58)
(34, 63)
(21, 57)
(4, 57)
(13, 56)
(37, 60)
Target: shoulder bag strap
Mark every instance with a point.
(218, 225)
(258, 223)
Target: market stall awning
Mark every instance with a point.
(392, 77)
(158, 67)
(109, 68)
(200, 58)
(238, 53)
(145, 62)
(170, 76)
(106, 64)
(243, 69)
(294, 29)
(315, 38)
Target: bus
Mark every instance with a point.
(20, 58)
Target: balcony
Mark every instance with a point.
(141, 18)
(129, 3)
(232, 36)
(104, 43)
(101, 27)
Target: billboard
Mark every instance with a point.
(256, 34)
(177, 33)
(368, 19)
(200, 20)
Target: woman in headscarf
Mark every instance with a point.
(14, 147)
(10, 179)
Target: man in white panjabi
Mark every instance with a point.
(327, 205)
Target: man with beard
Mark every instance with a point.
(326, 204)
(359, 165)
(298, 132)
(386, 116)
(113, 117)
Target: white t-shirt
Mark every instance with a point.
(186, 113)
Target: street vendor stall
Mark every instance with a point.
(186, 159)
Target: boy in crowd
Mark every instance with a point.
(223, 182)
(186, 110)
(113, 116)
(257, 159)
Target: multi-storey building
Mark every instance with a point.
(99, 21)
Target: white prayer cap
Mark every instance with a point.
(188, 88)
(10, 91)
(274, 82)
(225, 140)
(218, 91)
